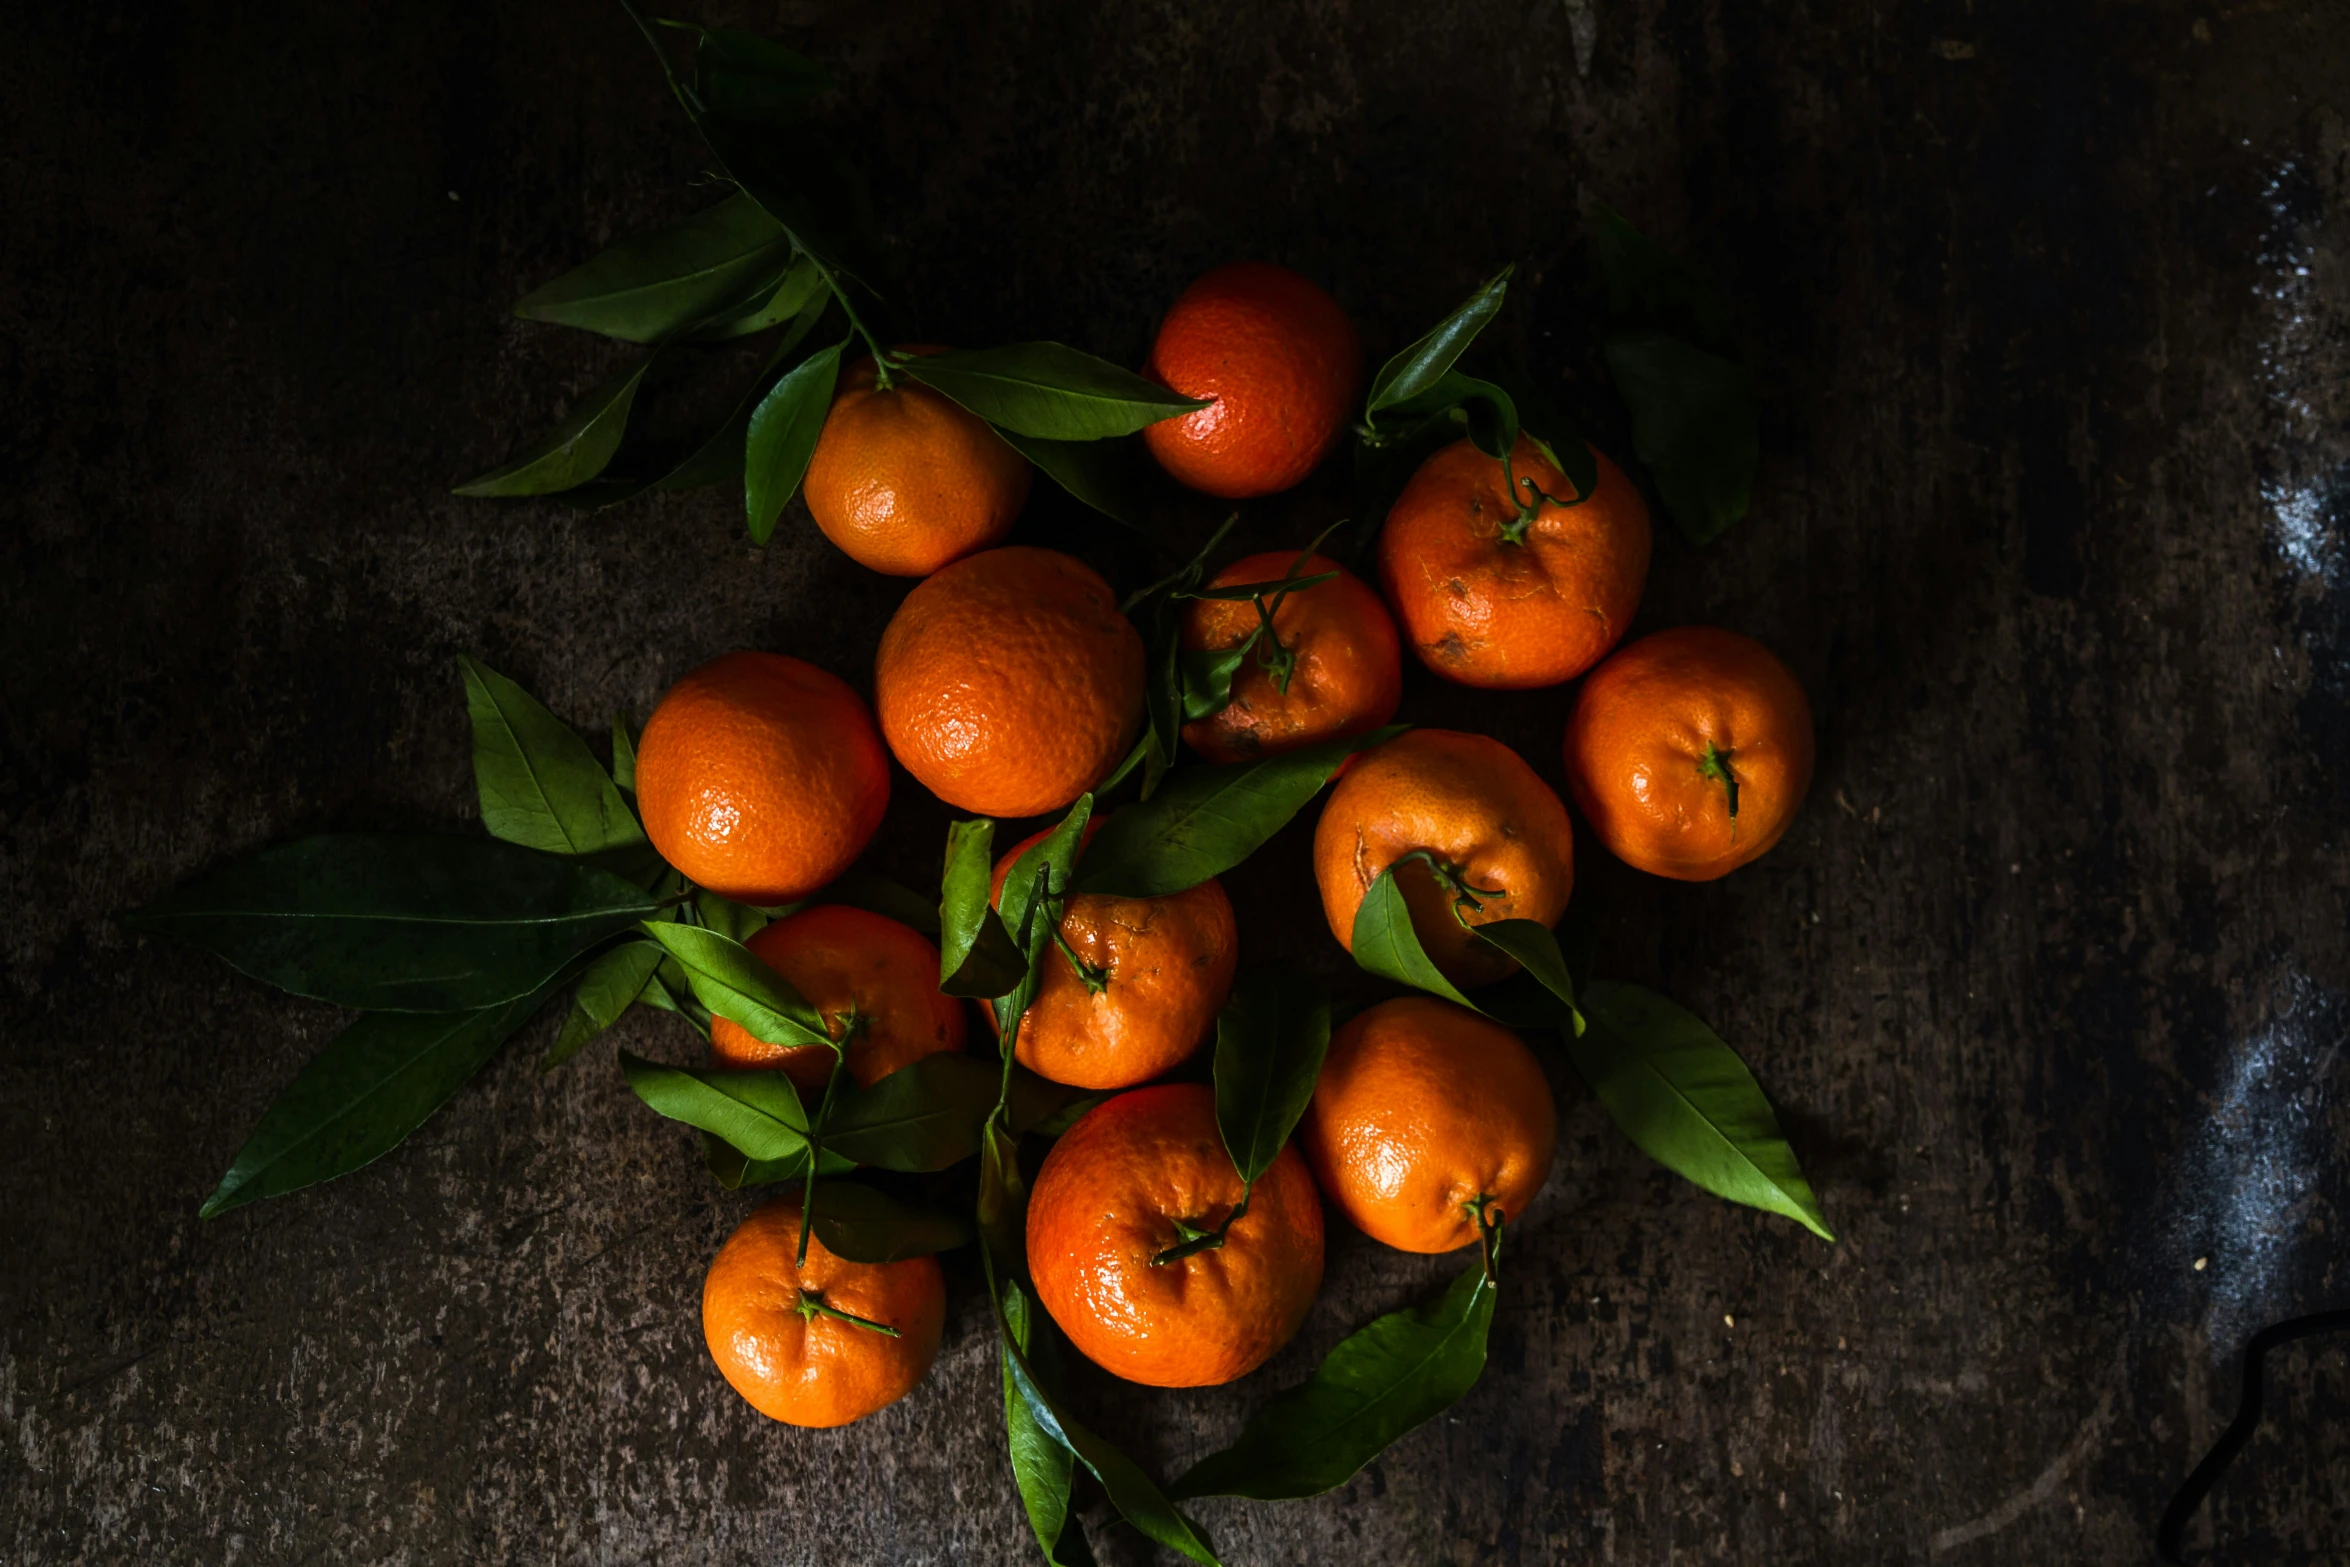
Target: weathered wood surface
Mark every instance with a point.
(2052, 305)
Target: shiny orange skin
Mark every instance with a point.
(1482, 611)
(1009, 683)
(817, 1370)
(1168, 966)
(1107, 1202)
(1422, 1109)
(1348, 677)
(1637, 743)
(761, 777)
(1283, 365)
(1473, 804)
(906, 480)
(849, 962)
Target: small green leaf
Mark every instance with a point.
(782, 437)
(1003, 1195)
(757, 1113)
(1040, 878)
(1694, 425)
(734, 984)
(368, 1088)
(802, 287)
(1687, 1100)
(863, 1225)
(578, 449)
(1270, 1038)
(1041, 1466)
(623, 755)
(1419, 367)
(392, 922)
(652, 286)
(976, 955)
(1102, 474)
(1387, 945)
(611, 985)
(1380, 1382)
(925, 1116)
(1537, 952)
(732, 1171)
(1205, 820)
(539, 784)
(1049, 391)
(735, 921)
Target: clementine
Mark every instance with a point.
(1690, 752)
(905, 479)
(761, 777)
(1512, 590)
(1427, 1115)
(1329, 667)
(821, 1342)
(1474, 834)
(1009, 682)
(1139, 1177)
(1281, 362)
(872, 980)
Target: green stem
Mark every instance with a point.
(1489, 1222)
(1192, 1240)
(1095, 979)
(851, 1026)
(1467, 898)
(811, 1304)
(1715, 764)
(881, 375)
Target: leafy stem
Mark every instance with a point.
(1467, 897)
(1715, 764)
(1489, 1222)
(1095, 977)
(1192, 1240)
(812, 1304)
(847, 1026)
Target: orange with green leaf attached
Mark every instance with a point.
(1141, 1251)
(872, 980)
(1498, 581)
(1322, 663)
(1690, 751)
(1473, 834)
(819, 1340)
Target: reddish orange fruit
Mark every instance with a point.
(1335, 641)
(1425, 1115)
(868, 977)
(1490, 838)
(905, 479)
(1690, 752)
(761, 777)
(1511, 592)
(1138, 1177)
(1009, 682)
(1281, 362)
(780, 1333)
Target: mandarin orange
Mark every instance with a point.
(1333, 645)
(867, 976)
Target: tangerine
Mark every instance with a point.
(870, 978)
(1334, 667)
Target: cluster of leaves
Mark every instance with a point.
(781, 255)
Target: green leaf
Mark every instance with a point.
(1049, 391)
(1205, 820)
(735, 921)
(1650, 289)
(1537, 952)
(1039, 879)
(1040, 1105)
(1041, 1466)
(802, 287)
(1003, 1196)
(880, 895)
(1270, 1038)
(1425, 362)
(539, 785)
(1403, 1369)
(1694, 424)
(612, 984)
(733, 1171)
(399, 923)
(1547, 424)
(782, 437)
(1386, 944)
(924, 1116)
(976, 955)
(863, 1225)
(1102, 474)
(1486, 411)
(734, 984)
(1687, 1100)
(372, 1084)
(623, 755)
(757, 1113)
(652, 286)
(578, 449)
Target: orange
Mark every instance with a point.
(1138, 1176)
(761, 777)
(773, 1325)
(1690, 752)
(863, 973)
(1156, 972)
(1424, 1113)
(1510, 593)
(1009, 682)
(1495, 839)
(906, 479)
(1281, 362)
(1345, 666)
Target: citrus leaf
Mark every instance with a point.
(732, 1171)
(1040, 1105)
(651, 286)
(1649, 289)
(782, 437)
(623, 755)
(1420, 366)
(736, 985)
(976, 955)
(1694, 424)
(1386, 944)
(539, 784)
(399, 923)
(863, 1225)
(924, 1116)
(1002, 1207)
(1403, 1369)
(1270, 1038)
(578, 449)
(1537, 952)
(611, 985)
(1687, 1100)
(735, 921)
(1049, 391)
(757, 1113)
(801, 287)
(1102, 474)
(1041, 1466)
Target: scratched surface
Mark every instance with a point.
(2052, 307)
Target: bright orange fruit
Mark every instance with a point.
(1345, 667)
(867, 976)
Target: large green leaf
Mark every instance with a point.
(1649, 289)
(1687, 1100)
(863, 1225)
(1380, 1382)
(652, 286)
(757, 1113)
(540, 786)
(1205, 820)
(1419, 367)
(578, 449)
(925, 1116)
(976, 955)
(1041, 1466)
(736, 985)
(1537, 952)
(1387, 945)
(1049, 391)
(1270, 1038)
(782, 437)
(400, 923)
(611, 985)
(1695, 426)
(1102, 474)
(372, 1084)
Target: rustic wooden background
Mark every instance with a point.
(2051, 306)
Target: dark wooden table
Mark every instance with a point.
(2051, 306)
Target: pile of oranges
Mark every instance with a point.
(1009, 683)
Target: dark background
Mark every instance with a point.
(2050, 305)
